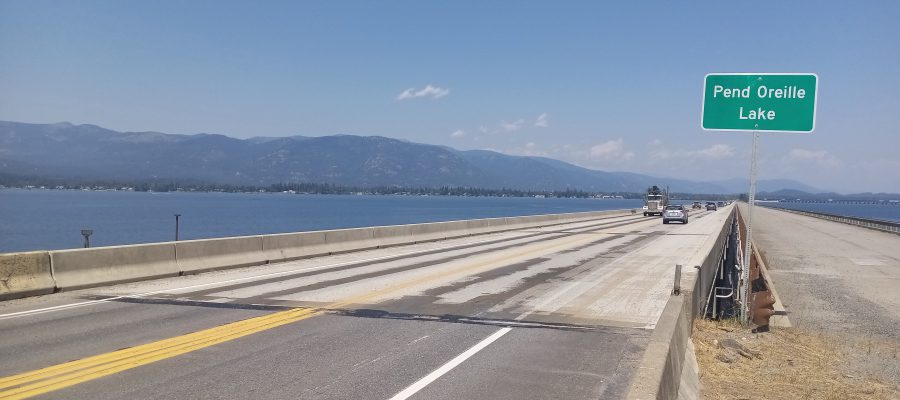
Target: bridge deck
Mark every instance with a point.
(840, 280)
(557, 312)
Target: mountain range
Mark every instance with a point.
(90, 152)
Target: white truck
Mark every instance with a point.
(656, 201)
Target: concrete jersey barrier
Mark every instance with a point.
(487, 225)
(25, 274)
(347, 240)
(43, 272)
(292, 246)
(195, 256)
(80, 268)
(414, 233)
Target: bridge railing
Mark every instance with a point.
(876, 224)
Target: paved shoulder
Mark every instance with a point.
(837, 279)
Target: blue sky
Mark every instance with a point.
(605, 86)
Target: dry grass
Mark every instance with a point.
(783, 364)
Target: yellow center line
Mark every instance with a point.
(143, 349)
(63, 375)
(76, 372)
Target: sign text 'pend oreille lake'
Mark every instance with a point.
(760, 102)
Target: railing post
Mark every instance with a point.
(677, 289)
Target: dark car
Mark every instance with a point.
(720, 204)
(710, 206)
(697, 206)
(675, 213)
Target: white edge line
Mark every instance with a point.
(434, 375)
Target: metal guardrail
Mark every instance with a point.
(876, 224)
(709, 270)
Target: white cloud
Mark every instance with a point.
(458, 133)
(656, 142)
(529, 149)
(611, 150)
(435, 92)
(607, 149)
(542, 121)
(512, 126)
(714, 152)
(818, 157)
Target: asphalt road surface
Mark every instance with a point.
(560, 312)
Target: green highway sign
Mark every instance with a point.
(760, 102)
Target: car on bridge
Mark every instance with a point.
(711, 206)
(720, 204)
(675, 213)
(696, 206)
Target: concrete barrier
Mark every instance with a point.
(25, 274)
(487, 225)
(79, 268)
(393, 235)
(415, 233)
(439, 230)
(659, 374)
(293, 246)
(346, 240)
(559, 219)
(524, 222)
(194, 256)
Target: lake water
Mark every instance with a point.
(53, 219)
(884, 212)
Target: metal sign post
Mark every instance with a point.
(87, 237)
(751, 199)
(758, 102)
(177, 217)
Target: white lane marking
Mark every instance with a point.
(414, 341)
(456, 361)
(434, 375)
(288, 272)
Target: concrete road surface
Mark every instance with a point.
(839, 280)
(560, 312)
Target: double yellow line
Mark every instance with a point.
(71, 373)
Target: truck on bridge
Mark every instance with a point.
(656, 201)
